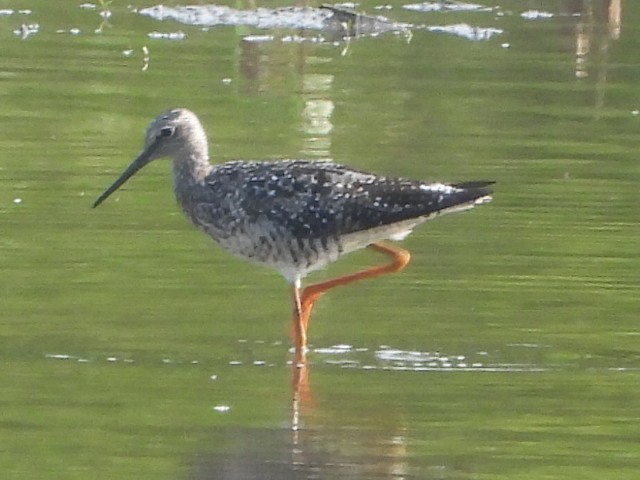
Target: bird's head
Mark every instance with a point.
(176, 133)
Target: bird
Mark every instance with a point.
(295, 216)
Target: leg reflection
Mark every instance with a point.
(301, 398)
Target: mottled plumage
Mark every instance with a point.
(293, 215)
(299, 215)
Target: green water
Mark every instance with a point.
(132, 347)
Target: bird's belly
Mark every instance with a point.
(293, 257)
(296, 257)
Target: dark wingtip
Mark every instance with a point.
(478, 188)
(474, 184)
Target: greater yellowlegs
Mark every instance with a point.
(294, 215)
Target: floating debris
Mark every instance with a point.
(336, 21)
(467, 31)
(212, 15)
(179, 35)
(17, 200)
(59, 356)
(145, 58)
(26, 30)
(446, 6)
(222, 408)
(536, 15)
(258, 38)
(299, 39)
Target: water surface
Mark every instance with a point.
(134, 348)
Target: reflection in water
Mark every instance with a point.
(358, 437)
(598, 24)
(323, 450)
(317, 450)
(334, 452)
(264, 67)
(316, 115)
(321, 444)
(342, 451)
(301, 397)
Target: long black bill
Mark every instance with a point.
(140, 161)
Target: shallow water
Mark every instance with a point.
(133, 348)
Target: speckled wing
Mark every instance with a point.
(401, 202)
(321, 199)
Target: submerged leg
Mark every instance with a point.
(303, 303)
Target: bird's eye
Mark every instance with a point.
(166, 132)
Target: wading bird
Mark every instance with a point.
(294, 215)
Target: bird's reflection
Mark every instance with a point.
(301, 398)
(321, 452)
(314, 444)
(256, 454)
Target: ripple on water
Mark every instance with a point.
(389, 358)
(384, 357)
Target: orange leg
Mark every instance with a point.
(304, 303)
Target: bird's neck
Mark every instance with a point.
(189, 182)
(192, 168)
(191, 163)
